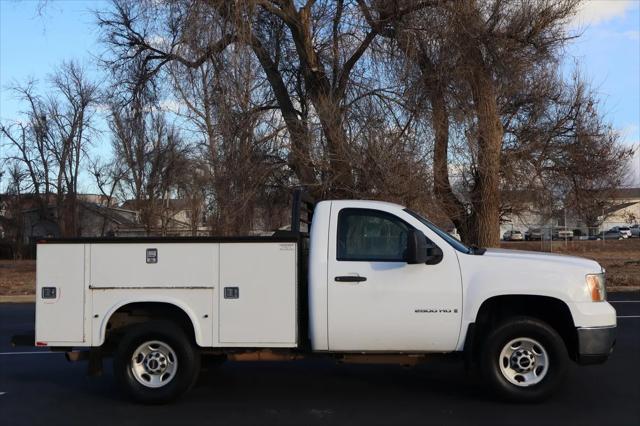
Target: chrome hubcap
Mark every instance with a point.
(524, 362)
(154, 364)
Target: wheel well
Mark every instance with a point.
(139, 312)
(553, 311)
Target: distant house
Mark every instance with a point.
(95, 220)
(98, 216)
(25, 219)
(170, 217)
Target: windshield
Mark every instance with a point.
(442, 234)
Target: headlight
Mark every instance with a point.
(596, 287)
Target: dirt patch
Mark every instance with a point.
(621, 258)
(17, 277)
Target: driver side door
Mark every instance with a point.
(378, 302)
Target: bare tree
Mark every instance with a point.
(473, 56)
(562, 153)
(229, 108)
(51, 143)
(586, 163)
(152, 154)
(107, 178)
(308, 55)
(477, 74)
(70, 116)
(12, 220)
(29, 146)
(192, 189)
(420, 45)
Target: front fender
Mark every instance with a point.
(557, 277)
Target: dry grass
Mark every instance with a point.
(621, 259)
(17, 277)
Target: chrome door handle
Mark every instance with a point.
(350, 279)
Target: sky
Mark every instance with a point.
(34, 42)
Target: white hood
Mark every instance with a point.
(591, 266)
(499, 272)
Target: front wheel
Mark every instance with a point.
(524, 359)
(156, 362)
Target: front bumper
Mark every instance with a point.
(595, 344)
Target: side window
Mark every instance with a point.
(371, 235)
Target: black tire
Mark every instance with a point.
(528, 329)
(168, 334)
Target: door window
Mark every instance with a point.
(371, 235)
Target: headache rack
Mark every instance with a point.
(302, 207)
(301, 212)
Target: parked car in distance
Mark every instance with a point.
(533, 234)
(635, 231)
(562, 234)
(612, 234)
(624, 231)
(512, 235)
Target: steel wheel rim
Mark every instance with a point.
(524, 362)
(154, 364)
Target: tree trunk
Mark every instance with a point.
(324, 97)
(341, 182)
(486, 192)
(451, 205)
(299, 160)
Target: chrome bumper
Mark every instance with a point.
(595, 344)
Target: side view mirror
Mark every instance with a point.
(420, 250)
(416, 247)
(434, 254)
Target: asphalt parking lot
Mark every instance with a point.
(39, 387)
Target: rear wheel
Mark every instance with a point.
(156, 362)
(524, 359)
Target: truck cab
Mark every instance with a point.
(366, 292)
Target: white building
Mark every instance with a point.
(627, 209)
(530, 213)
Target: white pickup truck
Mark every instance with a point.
(371, 282)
